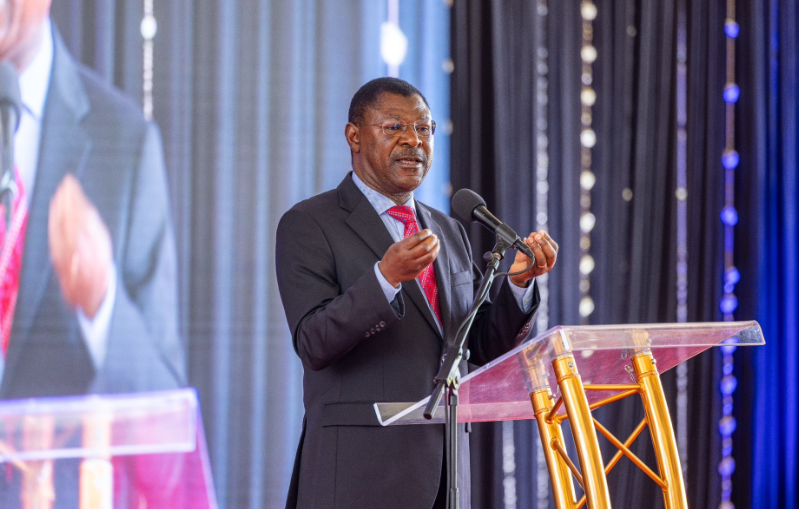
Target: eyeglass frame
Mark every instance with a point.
(405, 128)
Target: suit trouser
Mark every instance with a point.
(441, 497)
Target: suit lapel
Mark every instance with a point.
(441, 267)
(64, 148)
(365, 221)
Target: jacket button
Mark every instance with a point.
(382, 324)
(372, 331)
(366, 335)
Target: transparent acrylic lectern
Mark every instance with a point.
(540, 380)
(144, 450)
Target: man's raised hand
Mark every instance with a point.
(406, 259)
(80, 247)
(546, 254)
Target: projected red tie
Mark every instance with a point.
(11, 244)
(405, 214)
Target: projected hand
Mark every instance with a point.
(80, 247)
(406, 259)
(546, 254)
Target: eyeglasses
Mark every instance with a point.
(423, 128)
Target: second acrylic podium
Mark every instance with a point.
(101, 452)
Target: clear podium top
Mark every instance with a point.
(98, 426)
(500, 390)
(127, 450)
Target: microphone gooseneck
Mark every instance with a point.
(471, 207)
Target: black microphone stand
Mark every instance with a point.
(8, 184)
(448, 376)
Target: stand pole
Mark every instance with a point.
(453, 496)
(448, 376)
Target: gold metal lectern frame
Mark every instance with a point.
(592, 476)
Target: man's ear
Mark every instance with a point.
(353, 135)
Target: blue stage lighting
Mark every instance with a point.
(731, 93)
(729, 215)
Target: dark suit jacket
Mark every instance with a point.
(93, 132)
(356, 350)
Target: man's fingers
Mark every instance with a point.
(411, 241)
(55, 230)
(545, 250)
(429, 257)
(423, 254)
(406, 259)
(550, 250)
(549, 240)
(423, 247)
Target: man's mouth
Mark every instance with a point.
(410, 160)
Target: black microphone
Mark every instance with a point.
(471, 207)
(10, 108)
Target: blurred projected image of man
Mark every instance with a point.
(373, 283)
(89, 290)
(88, 287)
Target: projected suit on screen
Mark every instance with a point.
(96, 299)
(368, 312)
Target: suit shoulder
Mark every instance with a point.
(440, 216)
(317, 206)
(443, 219)
(110, 103)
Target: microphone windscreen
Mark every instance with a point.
(9, 90)
(465, 201)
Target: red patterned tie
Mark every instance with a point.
(11, 244)
(405, 214)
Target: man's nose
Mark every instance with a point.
(409, 137)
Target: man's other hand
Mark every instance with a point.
(546, 254)
(406, 259)
(80, 247)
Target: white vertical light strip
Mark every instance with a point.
(729, 302)
(541, 129)
(148, 28)
(588, 55)
(393, 42)
(681, 194)
(540, 105)
(509, 496)
(392, 15)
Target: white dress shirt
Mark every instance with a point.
(381, 204)
(34, 82)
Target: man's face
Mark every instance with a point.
(20, 29)
(392, 164)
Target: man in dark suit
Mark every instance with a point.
(373, 284)
(96, 300)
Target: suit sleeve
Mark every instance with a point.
(500, 325)
(326, 321)
(144, 351)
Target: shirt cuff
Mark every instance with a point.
(388, 289)
(524, 296)
(95, 332)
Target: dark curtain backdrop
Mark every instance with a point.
(251, 97)
(634, 243)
